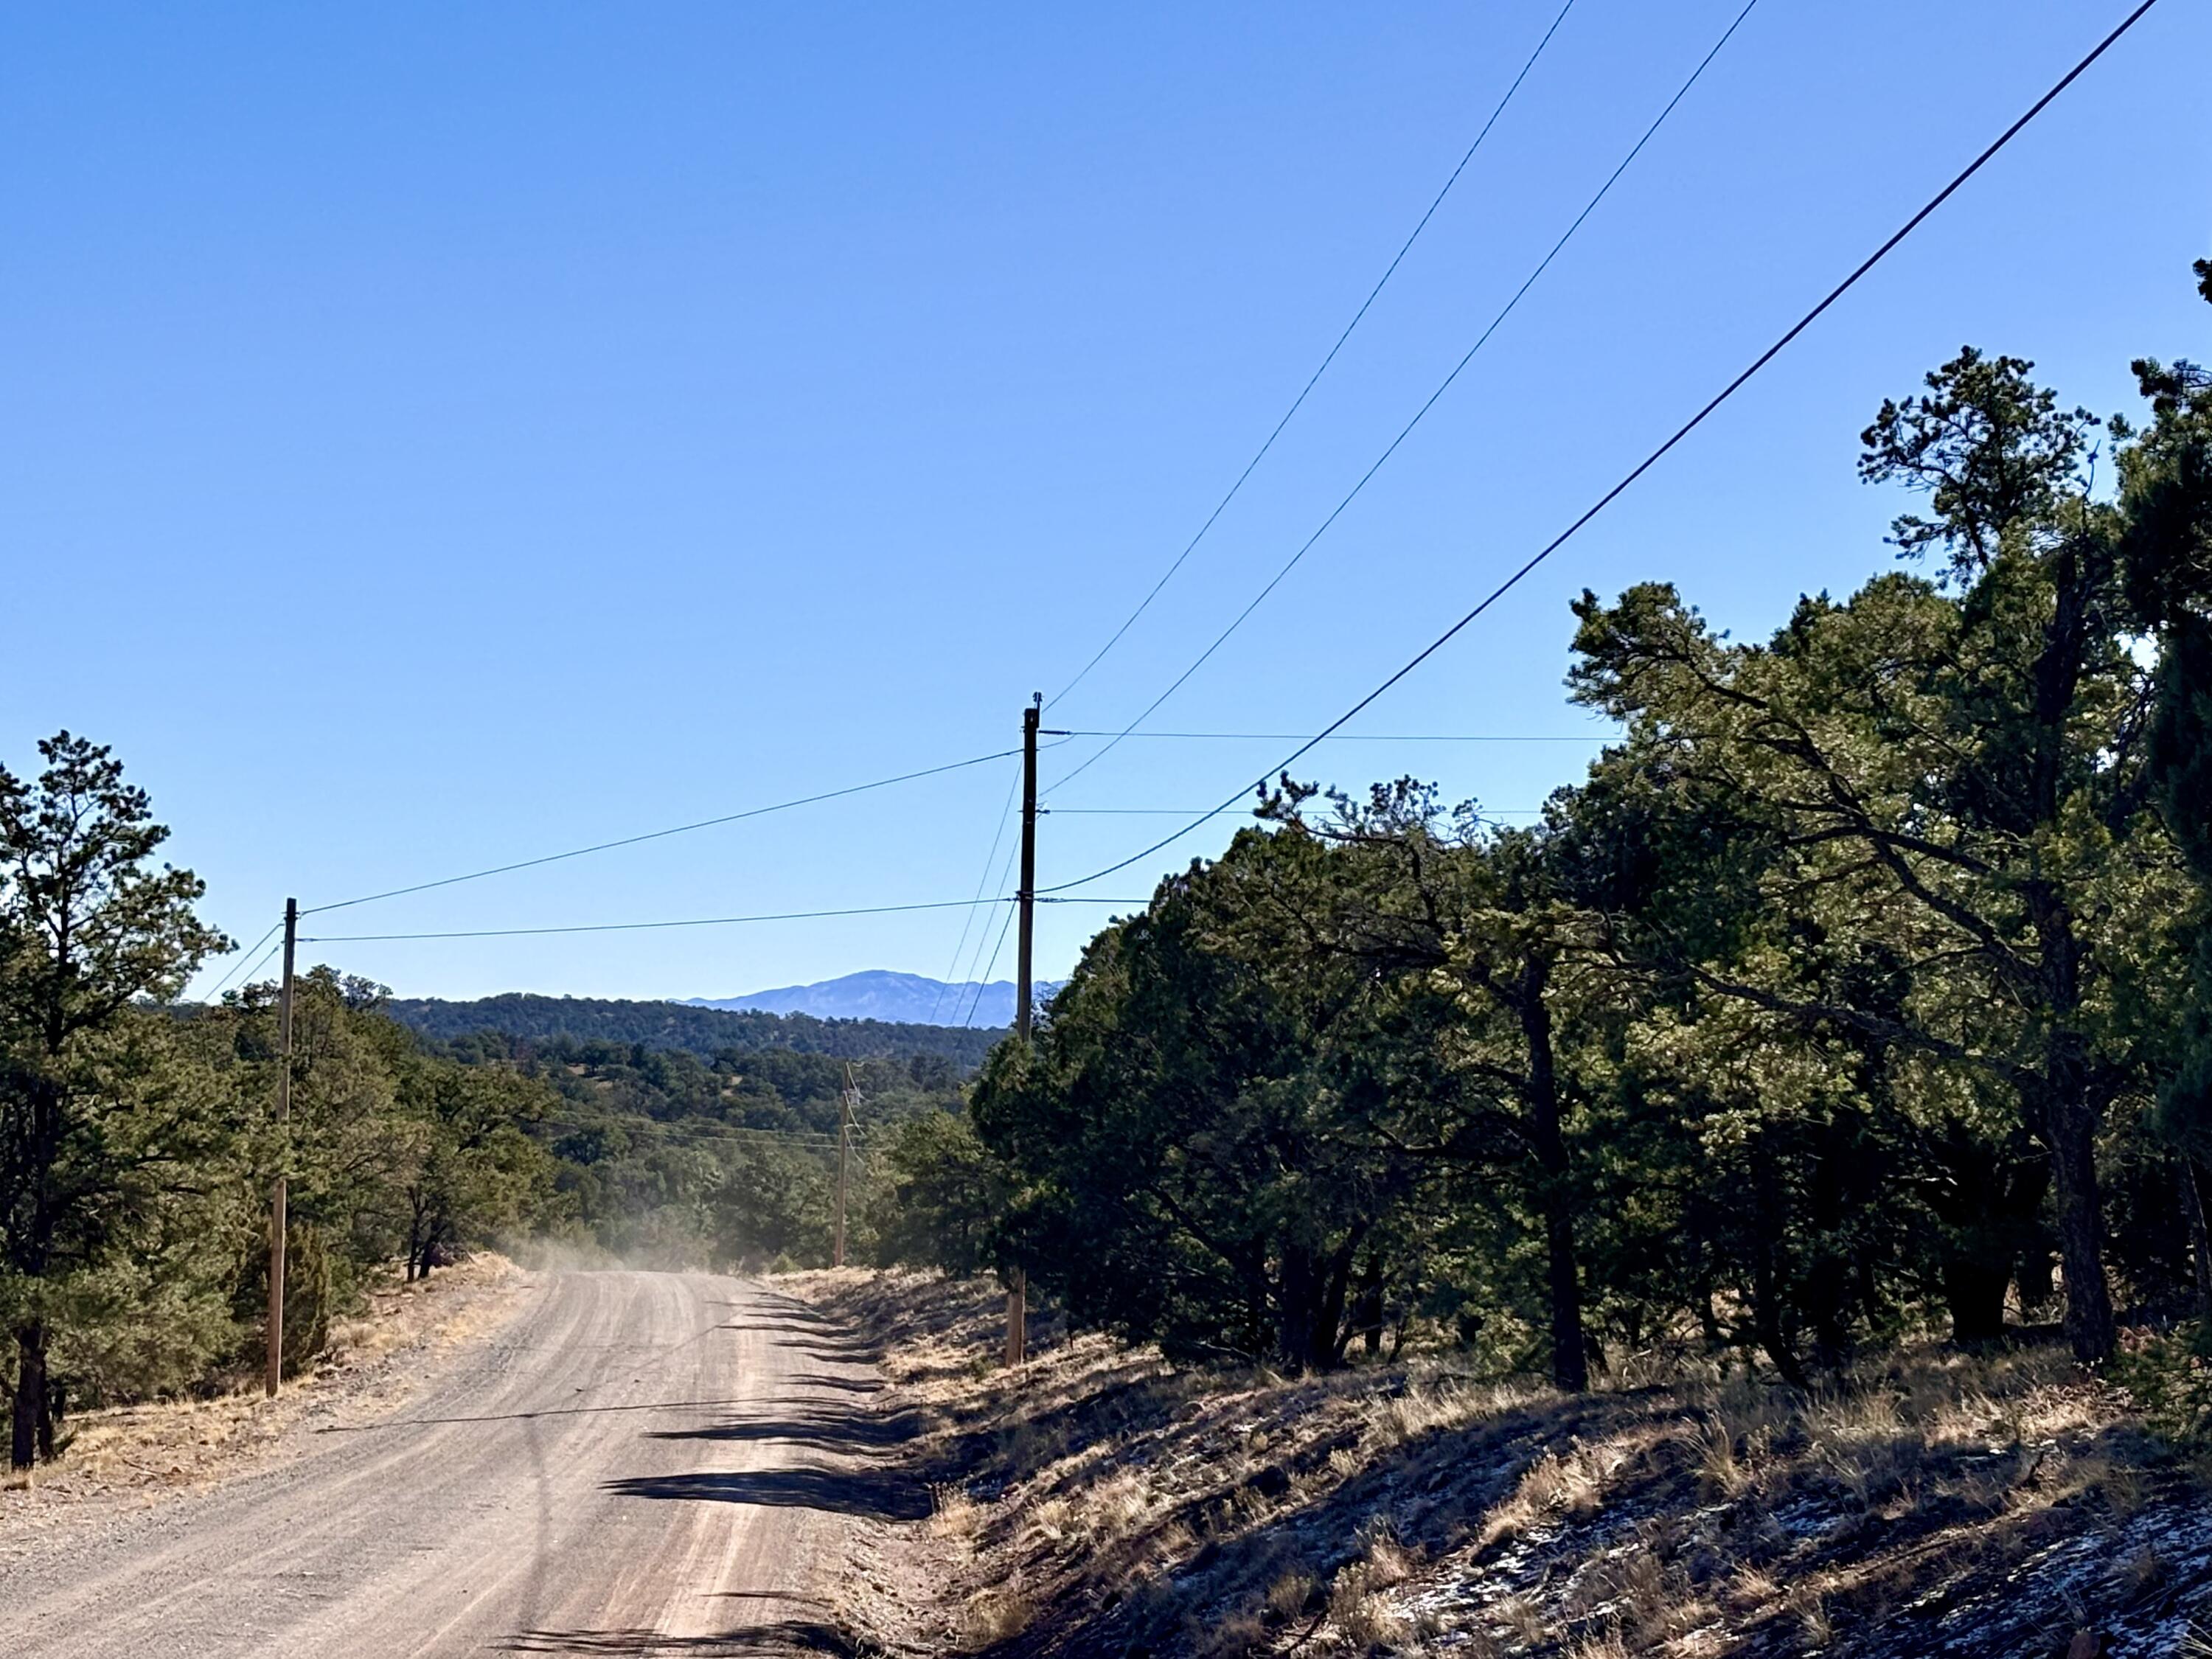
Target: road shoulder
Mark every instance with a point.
(127, 1458)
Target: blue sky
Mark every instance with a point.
(440, 435)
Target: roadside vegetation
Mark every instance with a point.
(1760, 1207)
(1859, 995)
(1103, 1500)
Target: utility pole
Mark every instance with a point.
(1025, 894)
(844, 1153)
(1018, 1283)
(277, 1197)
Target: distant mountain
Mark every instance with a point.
(876, 993)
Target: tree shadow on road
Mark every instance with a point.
(816, 1342)
(849, 1384)
(879, 1497)
(834, 1428)
(782, 1635)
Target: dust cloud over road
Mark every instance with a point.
(639, 1464)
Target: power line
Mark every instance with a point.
(971, 977)
(680, 1134)
(1181, 811)
(256, 968)
(983, 979)
(658, 834)
(646, 926)
(1421, 413)
(223, 984)
(983, 884)
(1654, 458)
(1312, 381)
(1336, 737)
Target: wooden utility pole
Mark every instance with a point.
(1017, 1284)
(844, 1153)
(1025, 894)
(284, 1154)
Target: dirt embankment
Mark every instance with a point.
(1103, 1501)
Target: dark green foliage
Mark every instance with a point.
(97, 1126)
(942, 1197)
(1831, 1007)
(1206, 1130)
(524, 1019)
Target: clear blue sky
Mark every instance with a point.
(437, 434)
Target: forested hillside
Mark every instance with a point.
(679, 1025)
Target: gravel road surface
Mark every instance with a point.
(637, 1464)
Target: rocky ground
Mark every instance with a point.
(1102, 1502)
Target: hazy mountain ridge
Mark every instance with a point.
(879, 994)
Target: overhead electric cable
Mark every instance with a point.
(243, 957)
(680, 1133)
(974, 983)
(647, 926)
(1337, 736)
(984, 979)
(983, 885)
(658, 834)
(1654, 458)
(1314, 380)
(1216, 812)
(247, 978)
(1421, 413)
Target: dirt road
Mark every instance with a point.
(639, 1464)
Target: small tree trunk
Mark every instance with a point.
(2195, 1181)
(1367, 1308)
(1766, 1324)
(1299, 1290)
(50, 1418)
(1974, 1294)
(28, 1416)
(1569, 1353)
(1331, 1332)
(1555, 1195)
(2073, 1133)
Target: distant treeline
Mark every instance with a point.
(700, 1031)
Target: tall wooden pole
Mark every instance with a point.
(1025, 894)
(1017, 1284)
(276, 1196)
(844, 1153)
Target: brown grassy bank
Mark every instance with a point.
(1103, 1501)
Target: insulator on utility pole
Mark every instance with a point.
(277, 1194)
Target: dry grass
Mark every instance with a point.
(1413, 1508)
(995, 1615)
(1288, 1595)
